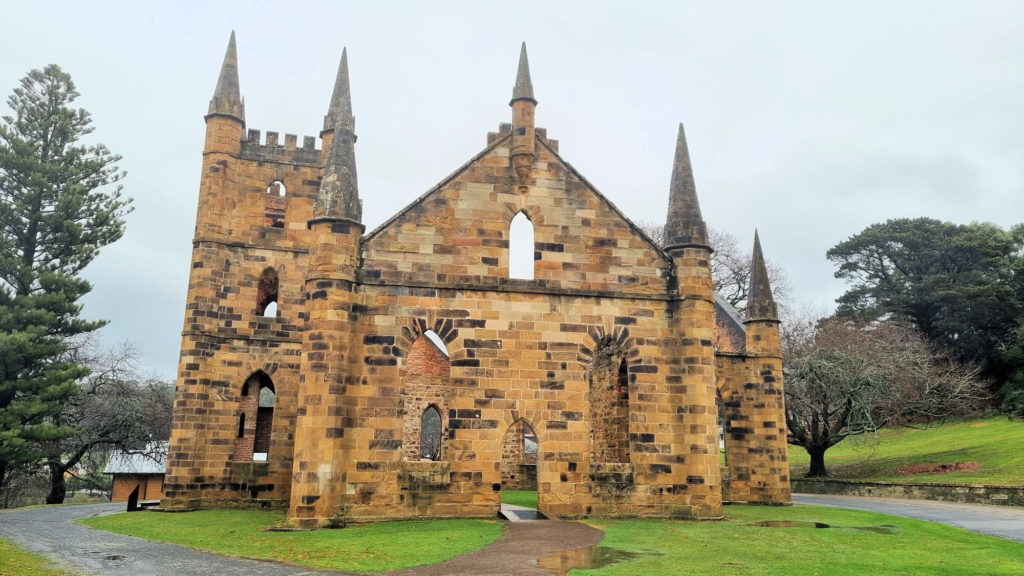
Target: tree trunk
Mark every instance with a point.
(58, 488)
(817, 462)
(5, 493)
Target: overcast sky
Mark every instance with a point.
(806, 120)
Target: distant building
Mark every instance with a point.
(412, 371)
(142, 469)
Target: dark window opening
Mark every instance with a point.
(609, 405)
(255, 418)
(266, 293)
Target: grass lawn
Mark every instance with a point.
(14, 561)
(733, 547)
(526, 498)
(366, 548)
(997, 442)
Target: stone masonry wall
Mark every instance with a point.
(225, 340)
(629, 431)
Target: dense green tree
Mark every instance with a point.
(59, 204)
(960, 285)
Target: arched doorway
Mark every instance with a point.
(519, 455)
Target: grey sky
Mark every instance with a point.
(807, 120)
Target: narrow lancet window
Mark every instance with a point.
(430, 434)
(264, 422)
(266, 293)
(521, 248)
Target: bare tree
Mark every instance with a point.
(115, 408)
(852, 379)
(730, 268)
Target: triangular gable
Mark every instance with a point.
(487, 150)
(437, 188)
(457, 233)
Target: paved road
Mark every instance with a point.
(49, 531)
(1002, 521)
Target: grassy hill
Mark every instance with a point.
(981, 451)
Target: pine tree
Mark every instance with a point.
(59, 204)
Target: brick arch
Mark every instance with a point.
(619, 339)
(417, 327)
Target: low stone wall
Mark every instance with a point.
(963, 493)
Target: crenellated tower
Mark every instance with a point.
(238, 371)
(693, 313)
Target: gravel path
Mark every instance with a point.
(1002, 521)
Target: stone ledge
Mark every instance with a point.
(961, 493)
(425, 473)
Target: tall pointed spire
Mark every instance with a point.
(760, 302)
(341, 99)
(227, 97)
(524, 147)
(684, 225)
(523, 90)
(338, 197)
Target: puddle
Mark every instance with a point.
(588, 558)
(789, 524)
(880, 529)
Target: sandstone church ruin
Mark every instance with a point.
(355, 375)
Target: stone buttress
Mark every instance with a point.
(754, 401)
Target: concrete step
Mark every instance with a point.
(514, 513)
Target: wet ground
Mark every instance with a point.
(541, 547)
(51, 532)
(1002, 521)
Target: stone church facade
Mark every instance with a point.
(404, 372)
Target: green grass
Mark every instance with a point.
(730, 547)
(14, 561)
(526, 498)
(735, 548)
(997, 442)
(365, 548)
